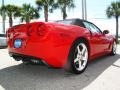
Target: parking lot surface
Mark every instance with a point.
(101, 74)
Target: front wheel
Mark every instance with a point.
(114, 47)
(78, 58)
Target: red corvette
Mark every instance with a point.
(68, 44)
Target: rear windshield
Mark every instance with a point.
(66, 22)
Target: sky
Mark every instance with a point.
(96, 12)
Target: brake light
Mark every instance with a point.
(9, 32)
(41, 30)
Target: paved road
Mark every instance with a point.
(102, 74)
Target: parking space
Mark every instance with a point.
(101, 74)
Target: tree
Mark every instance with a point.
(47, 5)
(10, 11)
(63, 5)
(3, 16)
(28, 12)
(114, 11)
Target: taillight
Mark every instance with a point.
(41, 30)
(9, 32)
(36, 29)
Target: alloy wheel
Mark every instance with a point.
(81, 57)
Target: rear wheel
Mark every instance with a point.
(78, 58)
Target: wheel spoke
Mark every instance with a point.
(76, 60)
(78, 49)
(83, 51)
(84, 58)
(80, 64)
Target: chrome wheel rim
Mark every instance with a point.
(114, 47)
(81, 56)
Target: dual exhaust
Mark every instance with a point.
(27, 59)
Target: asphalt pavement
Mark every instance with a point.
(101, 74)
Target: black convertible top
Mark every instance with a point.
(78, 22)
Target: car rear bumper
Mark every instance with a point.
(52, 51)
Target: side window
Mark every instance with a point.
(87, 25)
(92, 27)
(96, 29)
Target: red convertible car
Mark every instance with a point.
(68, 44)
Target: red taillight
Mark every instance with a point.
(9, 32)
(36, 29)
(41, 30)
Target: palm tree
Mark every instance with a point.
(10, 11)
(3, 16)
(63, 5)
(47, 5)
(28, 12)
(2, 9)
(114, 11)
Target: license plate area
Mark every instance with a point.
(18, 43)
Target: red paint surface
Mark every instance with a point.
(51, 42)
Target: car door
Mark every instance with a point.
(104, 38)
(97, 39)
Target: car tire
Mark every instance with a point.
(78, 57)
(113, 51)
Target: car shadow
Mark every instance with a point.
(35, 77)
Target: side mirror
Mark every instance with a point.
(105, 32)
